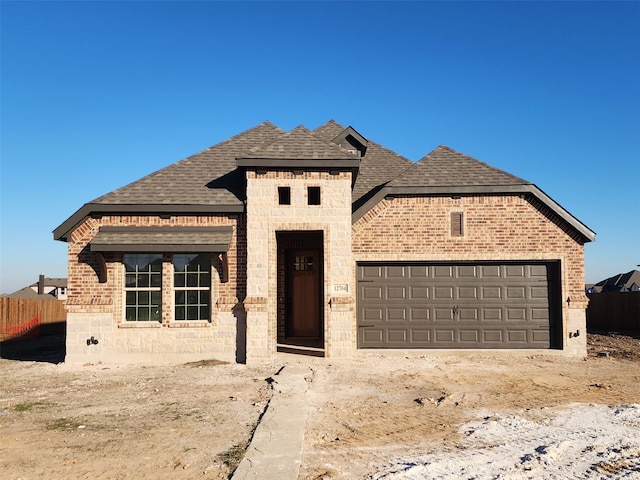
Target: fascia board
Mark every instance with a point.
(297, 163)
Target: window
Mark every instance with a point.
(457, 224)
(303, 264)
(192, 286)
(143, 287)
(313, 195)
(284, 195)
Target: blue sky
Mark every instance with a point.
(95, 95)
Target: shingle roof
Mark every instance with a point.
(377, 167)
(447, 167)
(210, 181)
(619, 282)
(300, 144)
(206, 178)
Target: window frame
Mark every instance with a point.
(137, 289)
(204, 291)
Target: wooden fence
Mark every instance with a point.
(20, 317)
(614, 311)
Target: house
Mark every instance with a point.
(326, 243)
(622, 282)
(45, 289)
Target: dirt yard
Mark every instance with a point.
(372, 417)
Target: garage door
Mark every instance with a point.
(480, 305)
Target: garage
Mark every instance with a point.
(458, 305)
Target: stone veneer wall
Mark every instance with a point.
(97, 309)
(495, 228)
(265, 217)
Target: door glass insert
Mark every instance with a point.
(303, 264)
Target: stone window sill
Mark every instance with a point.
(189, 324)
(139, 325)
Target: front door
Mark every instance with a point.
(304, 287)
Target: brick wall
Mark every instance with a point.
(495, 228)
(97, 309)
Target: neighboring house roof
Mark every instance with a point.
(53, 282)
(213, 180)
(622, 282)
(29, 293)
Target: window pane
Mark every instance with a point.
(179, 280)
(192, 297)
(192, 313)
(192, 280)
(156, 279)
(180, 297)
(155, 314)
(205, 279)
(131, 314)
(180, 313)
(143, 298)
(143, 313)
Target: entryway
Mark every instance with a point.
(300, 292)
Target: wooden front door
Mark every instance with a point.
(304, 274)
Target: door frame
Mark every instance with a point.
(289, 242)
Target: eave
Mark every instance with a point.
(65, 229)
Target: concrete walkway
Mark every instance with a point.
(276, 447)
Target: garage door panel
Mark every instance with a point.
(443, 292)
(491, 293)
(516, 314)
(455, 306)
(492, 314)
(421, 271)
(396, 314)
(420, 314)
(420, 336)
(397, 335)
(468, 293)
(468, 314)
(395, 272)
(396, 293)
(516, 336)
(372, 336)
(440, 271)
(372, 314)
(515, 292)
(444, 335)
(467, 271)
(369, 273)
(419, 292)
(493, 336)
(442, 314)
(490, 271)
(517, 271)
(371, 293)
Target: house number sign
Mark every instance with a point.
(340, 288)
